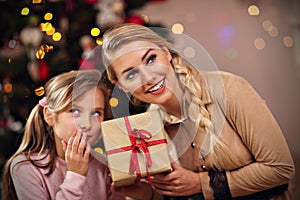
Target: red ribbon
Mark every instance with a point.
(136, 148)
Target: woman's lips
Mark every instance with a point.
(158, 88)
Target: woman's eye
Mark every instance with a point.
(74, 111)
(131, 74)
(151, 58)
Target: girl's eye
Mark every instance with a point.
(151, 58)
(131, 74)
(97, 113)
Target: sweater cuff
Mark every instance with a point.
(74, 185)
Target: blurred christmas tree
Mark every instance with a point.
(39, 39)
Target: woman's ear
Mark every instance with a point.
(48, 116)
(169, 56)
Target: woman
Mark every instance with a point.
(227, 141)
(53, 160)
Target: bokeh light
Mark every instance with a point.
(36, 1)
(40, 91)
(8, 87)
(288, 41)
(267, 25)
(48, 16)
(25, 11)
(51, 31)
(56, 36)
(259, 43)
(99, 41)
(95, 31)
(113, 102)
(253, 10)
(40, 54)
(177, 28)
(189, 52)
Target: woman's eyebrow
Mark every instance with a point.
(145, 55)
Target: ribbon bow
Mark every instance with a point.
(142, 135)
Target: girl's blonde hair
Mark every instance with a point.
(122, 34)
(38, 136)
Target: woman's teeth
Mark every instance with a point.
(157, 86)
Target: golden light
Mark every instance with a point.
(51, 32)
(25, 11)
(259, 43)
(113, 102)
(7, 87)
(48, 16)
(177, 28)
(46, 48)
(99, 150)
(40, 54)
(56, 36)
(40, 91)
(95, 31)
(99, 41)
(47, 26)
(9, 60)
(36, 1)
(288, 41)
(253, 10)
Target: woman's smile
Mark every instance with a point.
(158, 88)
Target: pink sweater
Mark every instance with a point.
(31, 182)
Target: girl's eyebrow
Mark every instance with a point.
(146, 53)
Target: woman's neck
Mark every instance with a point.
(174, 105)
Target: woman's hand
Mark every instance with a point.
(180, 182)
(137, 191)
(76, 154)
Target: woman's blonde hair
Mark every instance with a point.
(122, 34)
(38, 136)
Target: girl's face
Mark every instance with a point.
(144, 69)
(83, 117)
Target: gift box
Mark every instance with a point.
(136, 147)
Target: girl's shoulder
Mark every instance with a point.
(24, 160)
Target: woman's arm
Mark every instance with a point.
(249, 115)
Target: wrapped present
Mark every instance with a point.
(136, 147)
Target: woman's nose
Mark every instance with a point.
(148, 77)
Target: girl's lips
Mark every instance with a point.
(158, 88)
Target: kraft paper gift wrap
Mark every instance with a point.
(136, 147)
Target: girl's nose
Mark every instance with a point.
(84, 124)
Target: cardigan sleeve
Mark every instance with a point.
(249, 115)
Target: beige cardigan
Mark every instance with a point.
(244, 123)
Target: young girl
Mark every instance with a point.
(228, 143)
(53, 160)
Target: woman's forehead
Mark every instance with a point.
(132, 47)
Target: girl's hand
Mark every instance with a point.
(180, 182)
(76, 154)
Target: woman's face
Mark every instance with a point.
(83, 116)
(144, 69)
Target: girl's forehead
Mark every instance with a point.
(135, 46)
